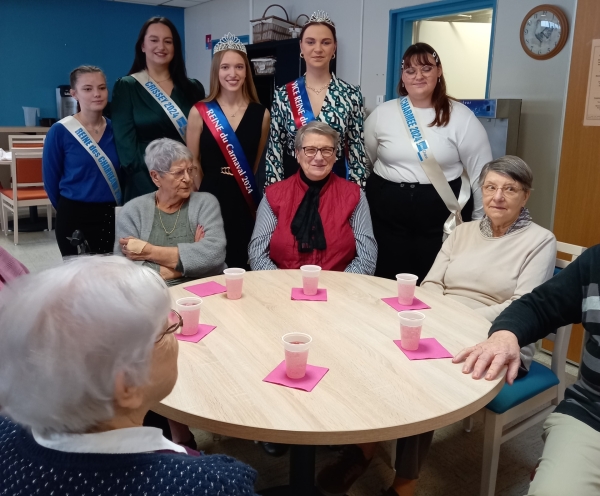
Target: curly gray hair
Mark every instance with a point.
(164, 152)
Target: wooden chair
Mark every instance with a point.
(27, 188)
(17, 141)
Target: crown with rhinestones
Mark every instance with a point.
(321, 16)
(229, 42)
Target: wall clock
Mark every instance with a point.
(544, 32)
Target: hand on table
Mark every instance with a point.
(167, 273)
(500, 349)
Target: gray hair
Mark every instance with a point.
(164, 152)
(67, 332)
(511, 166)
(316, 127)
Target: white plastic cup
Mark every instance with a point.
(189, 309)
(234, 280)
(411, 323)
(310, 279)
(31, 114)
(296, 346)
(406, 288)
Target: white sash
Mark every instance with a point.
(173, 112)
(433, 170)
(102, 161)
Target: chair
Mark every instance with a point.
(16, 141)
(27, 188)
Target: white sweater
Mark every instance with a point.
(463, 143)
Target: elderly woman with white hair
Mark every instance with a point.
(86, 349)
(177, 232)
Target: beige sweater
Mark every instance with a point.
(488, 274)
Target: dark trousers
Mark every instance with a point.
(410, 455)
(95, 220)
(408, 223)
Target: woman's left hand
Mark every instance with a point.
(143, 255)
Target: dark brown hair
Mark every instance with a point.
(326, 24)
(83, 69)
(418, 53)
(248, 89)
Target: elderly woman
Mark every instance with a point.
(314, 217)
(485, 265)
(176, 232)
(86, 349)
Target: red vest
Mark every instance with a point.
(337, 202)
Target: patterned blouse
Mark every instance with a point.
(523, 220)
(343, 109)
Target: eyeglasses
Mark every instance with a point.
(173, 327)
(507, 191)
(179, 175)
(411, 72)
(311, 151)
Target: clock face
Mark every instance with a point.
(542, 33)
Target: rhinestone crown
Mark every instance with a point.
(229, 42)
(321, 16)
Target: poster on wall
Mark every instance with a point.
(592, 101)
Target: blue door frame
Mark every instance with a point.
(401, 33)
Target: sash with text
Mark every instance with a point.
(299, 102)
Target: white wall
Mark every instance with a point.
(540, 84)
(464, 49)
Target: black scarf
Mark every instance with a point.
(307, 227)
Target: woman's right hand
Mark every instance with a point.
(199, 233)
(167, 274)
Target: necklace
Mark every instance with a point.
(243, 105)
(320, 89)
(162, 80)
(89, 127)
(160, 218)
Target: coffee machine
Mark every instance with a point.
(65, 103)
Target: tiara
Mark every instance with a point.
(229, 42)
(321, 16)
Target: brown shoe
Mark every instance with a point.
(338, 477)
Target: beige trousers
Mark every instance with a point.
(570, 462)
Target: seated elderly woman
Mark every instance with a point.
(86, 349)
(314, 217)
(177, 232)
(485, 265)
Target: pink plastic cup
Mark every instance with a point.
(406, 288)
(296, 345)
(234, 280)
(189, 309)
(411, 324)
(310, 279)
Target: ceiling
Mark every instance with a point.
(165, 3)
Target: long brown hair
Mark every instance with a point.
(418, 53)
(248, 89)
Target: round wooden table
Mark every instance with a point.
(372, 391)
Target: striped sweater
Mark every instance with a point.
(572, 296)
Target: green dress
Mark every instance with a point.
(137, 120)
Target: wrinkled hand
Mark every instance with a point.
(134, 256)
(199, 233)
(168, 273)
(499, 350)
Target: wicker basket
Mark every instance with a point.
(265, 65)
(271, 28)
(297, 29)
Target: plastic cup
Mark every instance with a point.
(411, 324)
(189, 309)
(310, 279)
(296, 346)
(234, 280)
(406, 288)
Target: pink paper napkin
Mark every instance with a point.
(416, 304)
(313, 375)
(298, 294)
(428, 348)
(203, 330)
(206, 289)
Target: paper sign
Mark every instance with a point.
(592, 101)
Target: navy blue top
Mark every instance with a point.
(70, 171)
(28, 468)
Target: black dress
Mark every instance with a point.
(238, 219)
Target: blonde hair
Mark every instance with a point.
(248, 89)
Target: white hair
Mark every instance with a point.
(67, 332)
(162, 153)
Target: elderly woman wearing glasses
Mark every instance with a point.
(314, 217)
(86, 349)
(177, 232)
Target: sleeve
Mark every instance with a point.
(555, 303)
(371, 142)
(366, 246)
(206, 256)
(199, 88)
(538, 268)
(474, 151)
(357, 159)
(53, 159)
(125, 131)
(434, 280)
(258, 249)
(277, 141)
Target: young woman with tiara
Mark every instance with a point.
(227, 133)
(318, 95)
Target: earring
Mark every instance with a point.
(439, 80)
(301, 55)
(333, 57)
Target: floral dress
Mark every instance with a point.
(343, 110)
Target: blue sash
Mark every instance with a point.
(299, 102)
